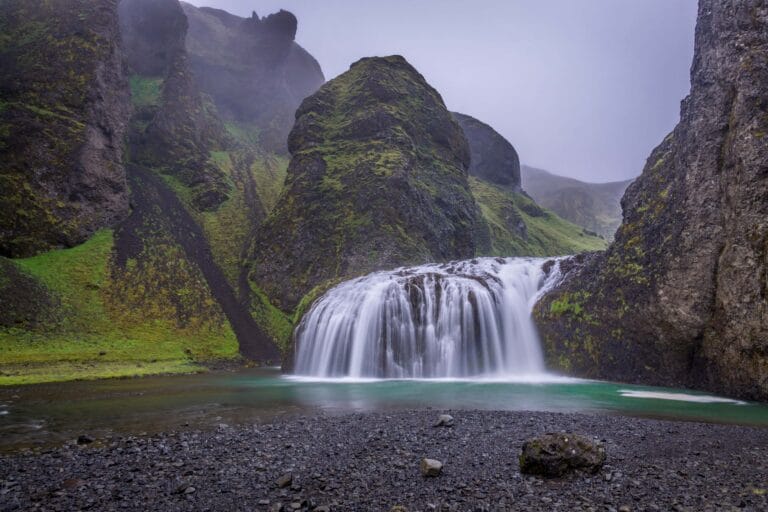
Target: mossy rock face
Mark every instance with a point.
(174, 127)
(63, 113)
(378, 179)
(25, 303)
(680, 298)
(252, 69)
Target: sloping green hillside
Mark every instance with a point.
(520, 227)
(96, 330)
(595, 206)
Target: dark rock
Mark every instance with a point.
(153, 35)
(84, 439)
(430, 467)
(679, 299)
(378, 179)
(62, 123)
(493, 158)
(252, 68)
(554, 455)
(182, 129)
(285, 480)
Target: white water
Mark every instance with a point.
(457, 320)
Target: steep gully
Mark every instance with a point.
(254, 343)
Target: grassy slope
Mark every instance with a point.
(96, 338)
(547, 234)
(228, 228)
(595, 206)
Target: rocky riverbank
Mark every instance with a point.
(371, 462)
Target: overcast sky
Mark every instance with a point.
(582, 88)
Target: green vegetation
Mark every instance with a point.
(107, 325)
(145, 91)
(269, 175)
(519, 227)
(572, 304)
(276, 323)
(594, 206)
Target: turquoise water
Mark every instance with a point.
(53, 413)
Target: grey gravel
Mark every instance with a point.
(370, 462)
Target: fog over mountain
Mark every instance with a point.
(583, 89)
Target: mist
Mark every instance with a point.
(584, 89)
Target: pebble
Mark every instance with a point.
(285, 480)
(367, 461)
(431, 467)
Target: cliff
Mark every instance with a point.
(63, 114)
(378, 178)
(252, 68)
(680, 296)
(492, 157)
(518, 226)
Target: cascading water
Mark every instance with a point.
(454, 320)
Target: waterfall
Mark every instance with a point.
(460, 319)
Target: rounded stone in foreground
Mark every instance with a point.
(431, 467)
(553, 455)
(444, 420)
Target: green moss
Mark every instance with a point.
(269, 174)
(572, 305)
(114, 322)
(145, 91)
(245, 134)
(276, 323)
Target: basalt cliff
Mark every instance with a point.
(680, 297)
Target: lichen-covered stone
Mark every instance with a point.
(63, 112)
(378, 179)
(680, 297)
(554, 455)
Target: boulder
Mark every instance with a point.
(554, 455)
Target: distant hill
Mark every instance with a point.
(594, 206)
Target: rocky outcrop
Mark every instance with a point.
(378, 179)
(493, 158)
(680, 297)
(252, 68)
(63, 113)
(517, 225)
(176, 132)
(154, 33)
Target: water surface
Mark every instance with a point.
(46, 414)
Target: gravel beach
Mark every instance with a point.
(370, 462)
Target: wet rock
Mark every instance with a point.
(431, 467)
(285, 480)
(444, 420)
(84, 439)
(554, 455)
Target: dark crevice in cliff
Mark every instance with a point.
(149, 193)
